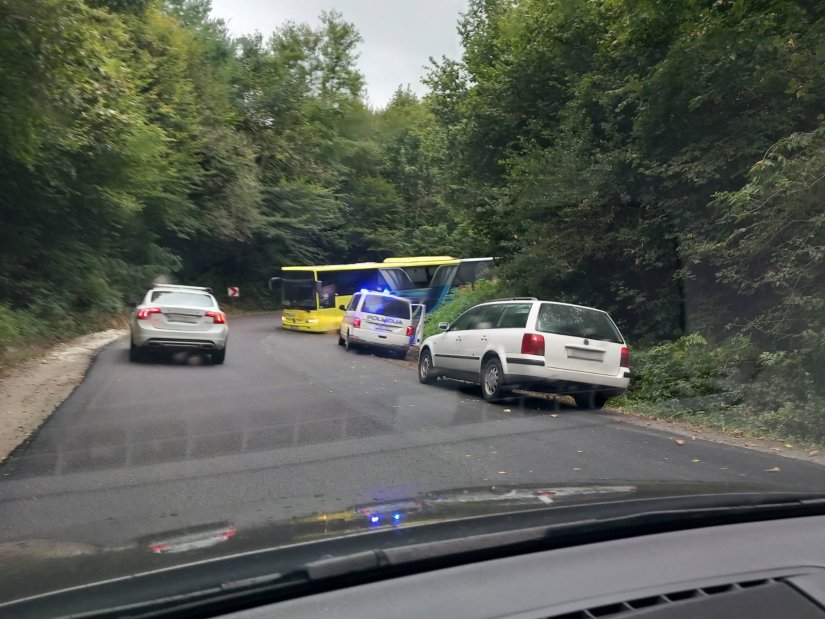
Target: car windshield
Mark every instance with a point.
(186, 299)
(299, 294)
(335, 276)
(577, 321)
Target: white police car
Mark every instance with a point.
(378, 319)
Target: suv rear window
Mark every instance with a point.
(577, 321)
(173, 297)
(386, 306)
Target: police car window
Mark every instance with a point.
(514, 316)
(353, 303)
(386, 306)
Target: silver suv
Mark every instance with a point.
(174, 318)
(531, 344)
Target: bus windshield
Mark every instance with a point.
(299, 291)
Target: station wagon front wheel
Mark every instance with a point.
(426, 374)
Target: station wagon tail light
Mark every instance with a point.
(410, 331)
(532, 344)
(219, 318)
(356, 322)
(625, 357)
(144, 312)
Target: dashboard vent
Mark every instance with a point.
(628, 607)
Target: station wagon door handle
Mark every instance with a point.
(457, 338)
(483, 338)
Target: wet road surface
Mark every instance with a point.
(292, 424)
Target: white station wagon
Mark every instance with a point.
(531, 344)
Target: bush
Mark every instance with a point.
(461, 300)
(731, 386)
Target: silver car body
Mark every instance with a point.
(179, 317)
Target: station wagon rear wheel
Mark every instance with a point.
(492, 380)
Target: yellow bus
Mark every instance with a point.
(313, 296)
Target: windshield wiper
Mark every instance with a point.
(595, 523)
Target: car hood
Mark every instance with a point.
(36, 566)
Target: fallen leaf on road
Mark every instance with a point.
(554, 415)
(575, 468)
(693, 438)
(581, 451)
(815, 452)
(788, 446)
(507, 410)
(502, 472)
(680, 441)
(775, 449)
(696, 460)
(775, 469)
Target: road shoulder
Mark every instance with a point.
(685, 432)
(31, 391)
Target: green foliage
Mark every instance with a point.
(138, 140)
(731, 385)
(663, 161)
(461, 300)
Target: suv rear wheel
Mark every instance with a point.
(218, 356)
(492, 380)
(135, 353)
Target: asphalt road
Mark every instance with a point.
(293, 424)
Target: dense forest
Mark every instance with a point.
(661, 159)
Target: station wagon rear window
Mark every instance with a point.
(577, 322)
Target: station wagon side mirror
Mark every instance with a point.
(444, 326)
(343, 308)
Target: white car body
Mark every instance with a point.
(538, 345)
(378, 319)
(179, 318)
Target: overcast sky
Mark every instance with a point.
(399, 35)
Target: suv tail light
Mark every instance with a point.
(356, 322)
(219, 318)
(625, 357)
(410, 331)
(144, 312)
(532, 344)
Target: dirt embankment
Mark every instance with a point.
(30, 391)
